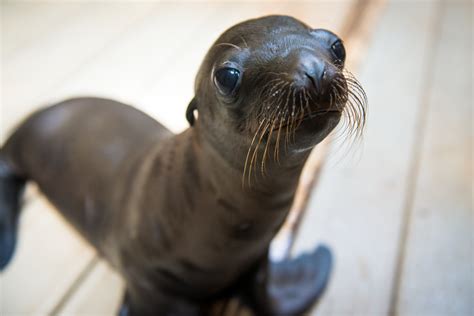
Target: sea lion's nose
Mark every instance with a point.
(311, 72)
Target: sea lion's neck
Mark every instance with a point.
(225, 165)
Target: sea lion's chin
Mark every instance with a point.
(314, 130)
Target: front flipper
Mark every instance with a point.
(11, 189)
(292, 286)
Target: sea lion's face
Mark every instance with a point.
(276, 84)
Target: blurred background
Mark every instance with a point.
(396, 207)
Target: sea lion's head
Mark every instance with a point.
(274, 87)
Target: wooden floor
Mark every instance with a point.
(396, 208)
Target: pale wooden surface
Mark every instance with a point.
(440, 232)
(116, 50)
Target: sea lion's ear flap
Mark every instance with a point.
(190, 111)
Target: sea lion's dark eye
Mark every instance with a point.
(226, 80)
(339, 51)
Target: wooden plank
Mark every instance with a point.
(40, 67)
(437, 276)
(358, 206)
(167, 101)
(49, 257)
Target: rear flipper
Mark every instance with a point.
(293, 286)
(11, 189)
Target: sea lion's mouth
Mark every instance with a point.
(320, 114)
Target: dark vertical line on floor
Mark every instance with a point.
(72, 289)
(353, 20)
(413, 171)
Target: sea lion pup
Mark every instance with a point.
(188, 219)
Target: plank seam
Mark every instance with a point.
(354, 18)
(413, 170)
(72, 289)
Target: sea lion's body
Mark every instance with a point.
(172, 213)
(142, 196)
(157, 206)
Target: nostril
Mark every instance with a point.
(309, 71)
(313, 81)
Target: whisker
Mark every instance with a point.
(253, 161)
(249, 150)
(277, 146)
(284, 108)
(228, 44)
